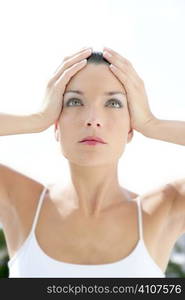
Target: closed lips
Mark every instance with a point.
(97, 139)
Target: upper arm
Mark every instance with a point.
(6, 181)
(11, 181)
(178, 205)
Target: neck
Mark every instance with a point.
(94, 188)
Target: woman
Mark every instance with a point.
(92, 227)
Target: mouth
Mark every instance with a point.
(93, 139)
(92, 143)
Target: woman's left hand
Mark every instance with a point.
(138, 106)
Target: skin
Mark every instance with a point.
(94, 184)
(89, 165)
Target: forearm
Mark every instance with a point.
(166, 130)
(17, 124)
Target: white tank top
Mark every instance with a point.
(31, 261)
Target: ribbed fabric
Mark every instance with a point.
(32, 261)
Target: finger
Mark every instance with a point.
(117, 55)
(124, 78)
(68, 74)
(113, 59)
(60, 84)
(119, 64)
(119, 61)
(72, 55)
(126, 67)
(78, 52)
(68, 63)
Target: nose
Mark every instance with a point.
(94, 124)
(93, 119)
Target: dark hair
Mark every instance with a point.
(97, 58)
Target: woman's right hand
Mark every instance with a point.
(53, 100)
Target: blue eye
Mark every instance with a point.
(110, 101)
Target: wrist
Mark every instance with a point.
(149, 127)
(40, 122)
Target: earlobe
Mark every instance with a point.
(130, 136)
(56, 131)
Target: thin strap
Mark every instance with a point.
(140, 221)
(128, 194)
(41, 198)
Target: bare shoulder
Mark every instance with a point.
(158, 201)
(177, 215)
(156, 205)
(156, 197)
(159, 232)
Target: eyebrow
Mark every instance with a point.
(106, 93)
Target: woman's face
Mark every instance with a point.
(94, 113)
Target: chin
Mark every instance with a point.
(90, 161)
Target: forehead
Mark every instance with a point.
(95, 78)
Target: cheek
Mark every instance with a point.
(119, 122)
(112, 122)
(66, 118)
(69, 117)
(68, 129)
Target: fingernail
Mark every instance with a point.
(107, 48)
(83, 61)
(88, 51)
(106, 53)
